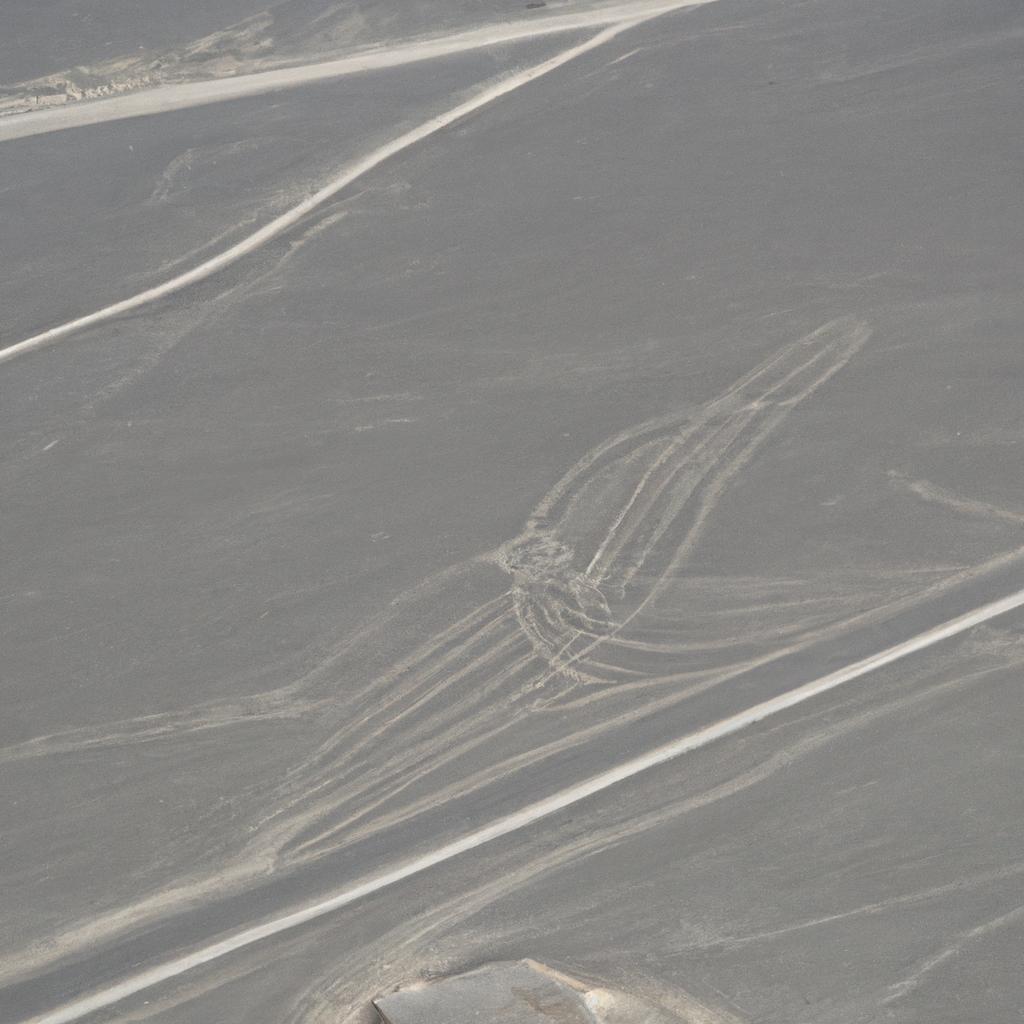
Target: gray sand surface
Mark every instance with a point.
(683, 375)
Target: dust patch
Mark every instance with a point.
(178, 174)
(524, 991)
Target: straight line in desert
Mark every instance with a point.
(528, 815)
(182, 95)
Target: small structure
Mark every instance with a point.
(515, 992)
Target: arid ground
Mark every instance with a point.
(414, 415)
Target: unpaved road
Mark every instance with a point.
(603, 413)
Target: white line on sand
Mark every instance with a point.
(179, 96)
(350, 174)
(528, 815)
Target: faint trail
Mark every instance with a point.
(290, 218)
(940, 496)
(288, 701)
(912, 981)
(532, 813)
(273, 706)
(879, 907)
